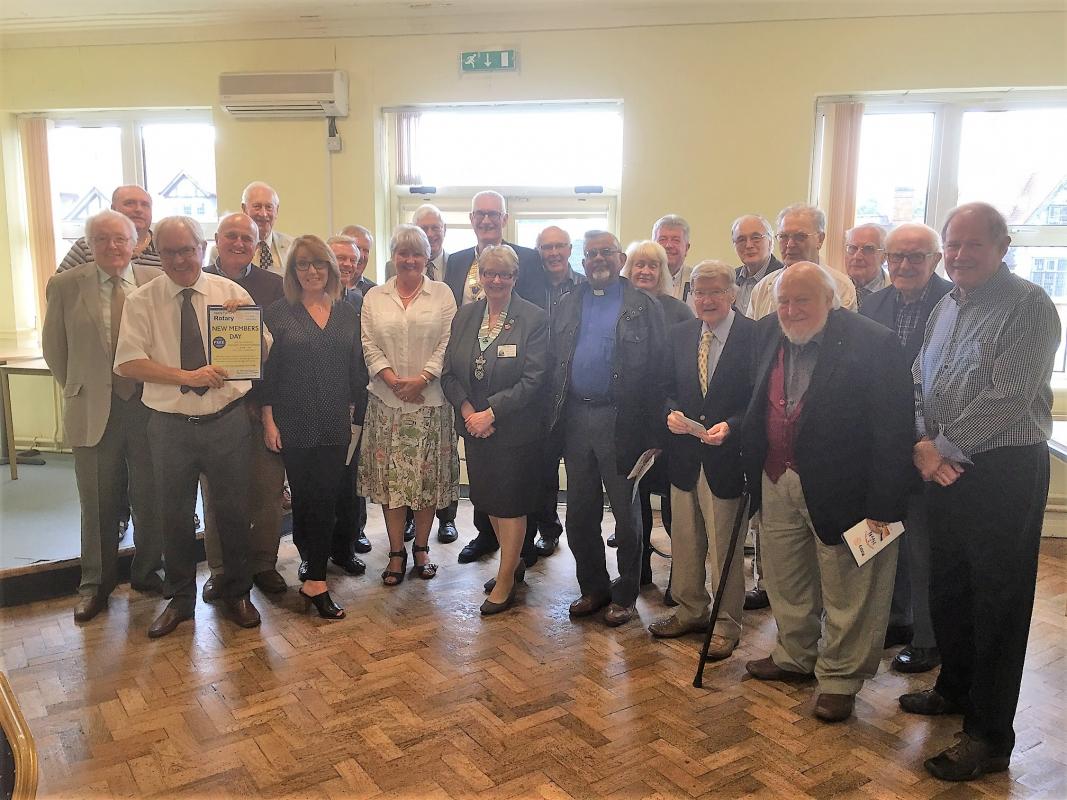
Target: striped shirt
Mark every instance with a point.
(80, 253)
(982, 376)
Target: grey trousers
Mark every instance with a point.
(806, 578)
(100, 477)
(589, 453)
(911, 587)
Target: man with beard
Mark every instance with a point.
(827, 444)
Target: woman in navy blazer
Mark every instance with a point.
(494, 376)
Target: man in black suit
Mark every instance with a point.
(913, 251)
(488, 217)
(827, 444)
(708, 381)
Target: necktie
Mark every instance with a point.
(192, 347)
(123, 387)
(431, 270)
(266, 260)
(703, 351)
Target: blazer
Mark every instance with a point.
(637, 368)
(78, 351)
(881, 306)
(516, 386)
(856, 430)
(729, 393)
(530, 285)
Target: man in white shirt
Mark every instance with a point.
(198, 425)
(672, 234)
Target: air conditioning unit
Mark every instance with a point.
(284, 94)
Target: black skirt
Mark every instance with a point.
(505, 481)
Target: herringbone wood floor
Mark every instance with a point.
(416, 696)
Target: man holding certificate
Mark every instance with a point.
(198, 424)
(826, 442)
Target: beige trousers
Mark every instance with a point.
(816, 590)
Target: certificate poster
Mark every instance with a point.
(236, 341)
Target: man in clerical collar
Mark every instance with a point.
(864, 259)
(671, 232)
(753, 240)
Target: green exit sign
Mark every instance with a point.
(488, 61)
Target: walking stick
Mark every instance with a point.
(742, 507)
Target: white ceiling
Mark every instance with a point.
(33, 23)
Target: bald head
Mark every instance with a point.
(135, 204)
(554, 245)
(805, 293)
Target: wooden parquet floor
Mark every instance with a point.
(415, 695)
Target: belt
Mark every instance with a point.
(201, 419)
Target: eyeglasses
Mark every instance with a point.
(121, 241)
(755, 238)
(319, 264)
(800, 237)
(603, 252)
(181, 252)
(867, 249)
(494, 215)
(700, 294)
(915, 259)
(503, 276)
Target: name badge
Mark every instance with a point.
(506, 351)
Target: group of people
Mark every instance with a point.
(931, 406)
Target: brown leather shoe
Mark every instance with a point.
(720, 647)
(929, 703)
(89, 605)
(671, 627)
(211, 592)
(834, 707)
(615, 615)
(241, 611)
(585, 605)
(174, 614)
(270, 581)
(765, 669)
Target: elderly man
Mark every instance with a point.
(913, 251)
(826, 441)
(753, 240)
(488, 217)
(671, 232)
(608, 346)
(554, 245)
(235, 245)
(134, 203)
(364, 243)
(708, 381)
(198, 422)
(984, 415)
(428, 217)
(346, 250)
(104, 420)
(864, 259)
(801, 233)
(260, 202)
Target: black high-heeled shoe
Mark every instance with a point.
(324, 604)
(520, 575)
(398, 577)
(489, 607)
(424, 571)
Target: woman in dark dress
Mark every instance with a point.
(495, 370)
(314, 377)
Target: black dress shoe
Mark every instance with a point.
(241, 611)
(174, 614)
(211, 593)
(446, 532)
(153, 584)
(916, 659)
(89, 606)
(756, 599)
(897, 635)
(302, 571)
(270, 581)
(351, 564)
(966, 760)
(668, 599)
(475, 549)
(362, 543)
(546, 545)
(611, 540)
(409, 530)
(929, 704)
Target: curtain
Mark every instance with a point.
(33, 140)
(843, 123)
(407, 132)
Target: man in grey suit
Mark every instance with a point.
(105, 420)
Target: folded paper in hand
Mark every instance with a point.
(866, 541)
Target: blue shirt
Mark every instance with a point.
(594, 352)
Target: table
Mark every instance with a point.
(30, 366)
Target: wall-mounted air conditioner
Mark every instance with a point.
(284, 94)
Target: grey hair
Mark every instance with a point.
(670, 221)
(353, 230)
(824, 275)
(816, 215)
(713, 268)
(107, 213)
(425, 210)
(490, 193)
(998, 226)
(499, 252)
(409, 236)
(868, 226)
(260, 185)
(649, 249)
(905, 227)
(766, 223)
(594, 234)
(342, 239)
(178, 221)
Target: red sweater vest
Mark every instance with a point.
(781, 426)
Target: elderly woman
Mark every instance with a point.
(494, 377)
(313, 379)
(409, 458)
(646, 269)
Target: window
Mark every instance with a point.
(894, 168)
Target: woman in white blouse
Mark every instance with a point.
(408, 457)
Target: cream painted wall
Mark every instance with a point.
(718, 118)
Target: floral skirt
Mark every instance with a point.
(408, 458)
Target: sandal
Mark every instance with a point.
(390, 578)
(424, 571)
